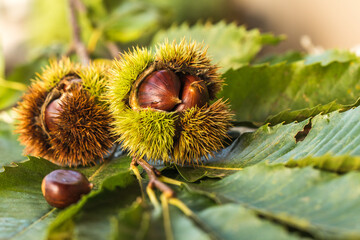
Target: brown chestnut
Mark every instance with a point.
(194, 92)
(160, 90)
(62, 188)
(51, 112)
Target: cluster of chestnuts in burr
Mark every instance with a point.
(63, 117)
(164, 104)
(52, 110)
(164, 90)
(160, 106)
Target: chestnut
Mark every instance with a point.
(194, 92)
(62, 188)
(166, 91)
(160, 90)
(51, 112)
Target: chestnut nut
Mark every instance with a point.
(160, 90)
(51, 112)
(62, 188)
(194, 93)
(164, 90)
(54, 108)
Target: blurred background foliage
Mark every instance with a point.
(32, 31)
(107, 27)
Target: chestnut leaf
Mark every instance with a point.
(257, 92)
(331, 144)
(324, 205)
(229, 45)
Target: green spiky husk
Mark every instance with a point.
(53, 73)
(168, 136)
(82, 134)
(189, 58)
(124, 73)
(203, 131)
(146, 133)
(94, 76)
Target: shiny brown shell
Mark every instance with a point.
(62, 188)
(52, 111)
(194, 92)
(160, 90)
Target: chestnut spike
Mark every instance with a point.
(194, 93)
(160, 90)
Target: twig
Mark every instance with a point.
(113, 49)
(153, 174)
(79, 45)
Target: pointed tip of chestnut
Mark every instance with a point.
(62, 188)
(194, 93)
(72, 84)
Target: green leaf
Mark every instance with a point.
(309, 200)
(289, 116)
(16, 83)
(328, 162)
(49, 23)
(90, 218)
(179, 11)
(331, 144)
(329, 56)
(131, 223)
(232, 221)
(130, 21)
(229, 45)
(257, 92)
(288, 57)
(236, 222)
(20, 188)
(21, 200)
(193, 174)
(10, 149)
(183, 228)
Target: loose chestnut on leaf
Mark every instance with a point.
(63, 117)
(62, 188)
(161, 103)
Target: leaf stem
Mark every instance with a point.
(189, 213)
(152, 197)
(153, 174)
(166, 214)
(170, 180)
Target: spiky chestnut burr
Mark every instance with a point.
(182, 132)
(62, 188)
(63, 117)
